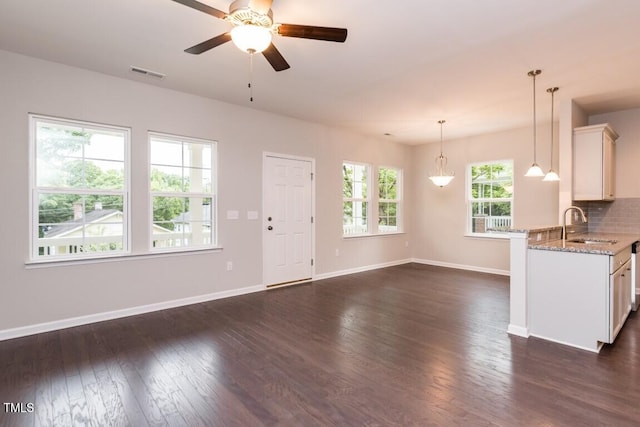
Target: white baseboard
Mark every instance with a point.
(462, 266)
(518, 330)
(595, 349)
(360, 269)
(116, 314)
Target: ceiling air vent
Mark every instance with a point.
(149, 73)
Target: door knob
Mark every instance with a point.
(269, 228)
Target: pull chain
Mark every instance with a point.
(250, 85)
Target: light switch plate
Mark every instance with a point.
(233, 214)
(252, 215)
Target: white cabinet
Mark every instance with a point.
(578, 299)
(594, 162)
(619, 299)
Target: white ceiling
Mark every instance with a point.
(405, 65)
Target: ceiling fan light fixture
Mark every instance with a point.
(251, 38)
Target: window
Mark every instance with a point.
(355, 199)
(80, 189)
(490, 196)
(389, 198)
(183, 192)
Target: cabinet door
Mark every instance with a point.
(587, 166)
(594, 162)
(608, 169)
(619, 299)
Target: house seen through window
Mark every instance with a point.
(183, 192)
(490, 196)
(80, 189)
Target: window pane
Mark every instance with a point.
(75, 157)
(74, 224)
(197, 180)
(166, 178)
(71, 158)
(360, 182)
(169, 210)
(104, 174)
(166, 153)
(347, 210)
(387, 183)
(184, 167)
(500, 209)
(197, 155)
(347, 181)
(493, 183)
(503, 190)
(355, 218)
(104, 145)
(354, 193)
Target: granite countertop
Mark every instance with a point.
(622, 241)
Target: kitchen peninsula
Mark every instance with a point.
(576, 291)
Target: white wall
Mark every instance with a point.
(33, 296)
(435, 218)
(440, 213)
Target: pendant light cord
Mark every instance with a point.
(552, 91)
(441, 123)
(533, 73)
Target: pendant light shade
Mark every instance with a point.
(441, 177)
(551, 175)
(534, 170)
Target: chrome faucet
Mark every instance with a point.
(564, 219)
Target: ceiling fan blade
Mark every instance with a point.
(275, 58)
(202, 8)
(209, 44)
(310, 32)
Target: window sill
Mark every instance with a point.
(360, 236)
(495, 236)
(116, 258)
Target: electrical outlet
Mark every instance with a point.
(406, 244)
(337, 252)
(538, 237)
(229, 265)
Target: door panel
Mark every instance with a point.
(287, 227)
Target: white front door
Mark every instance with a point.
(287, 220)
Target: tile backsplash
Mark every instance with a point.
(619, 216)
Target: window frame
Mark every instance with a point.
(36, 190)
(398, 200)
(213, 194)
(367, 200)
(470, 200)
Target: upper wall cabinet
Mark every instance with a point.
(594, 162)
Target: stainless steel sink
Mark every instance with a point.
(594, 241)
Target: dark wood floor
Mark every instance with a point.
(401, 346)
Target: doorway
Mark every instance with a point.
(288, 202)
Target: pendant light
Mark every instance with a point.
(442, 177)
(551, 175)
(534, 170)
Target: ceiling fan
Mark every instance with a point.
(253, 28)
